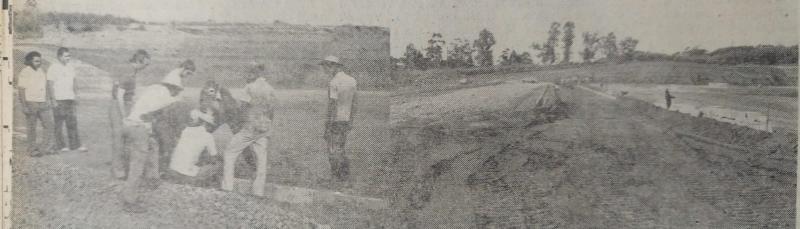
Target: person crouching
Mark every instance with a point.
(195, 139)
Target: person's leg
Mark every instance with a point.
(31, 120)
(261, 150)
(72, 125)
(332, 158)
(344, 164)
(238, 143)
(46, 117)
(136, 143)
(339, 154)
(209, 175)
(152, 167)
(58, 119)
(117, 152)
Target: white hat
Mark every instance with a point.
(197, 114)
(331, 60)
(174, 78)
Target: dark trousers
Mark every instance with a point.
(336, 139)
(119, 158)
(40, 111)
(208, 176)
(64, 115)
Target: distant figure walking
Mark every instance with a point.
(342, 104)
(668, 97)
(35, 93)
(62, 73)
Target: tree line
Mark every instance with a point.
(28, 20)
(557, 48)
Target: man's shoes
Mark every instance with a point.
(83, 149)
(133, 207)
(65, 149)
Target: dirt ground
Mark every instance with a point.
(605, 164)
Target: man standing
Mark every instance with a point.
(668, 97)
(36, 100)
(258, 110)
(62, 73)
(122, 95)
(341, 110)
(139, 139)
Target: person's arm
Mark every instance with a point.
(49, 96)
(75, 89)
(211, 147)
(21, 95)
(354, 108)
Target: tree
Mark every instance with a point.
(569, 36)
(510, 57)
(505, 57)
(628, 47)
(525, 58)
(484, 45)
(591, 43)
(434, 50)
(547, 51)
(460, 53)
(26, 20)
(413, 58)
(609, 45)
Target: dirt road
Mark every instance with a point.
(603, 165)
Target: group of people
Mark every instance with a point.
(49, 97)
(136, 116)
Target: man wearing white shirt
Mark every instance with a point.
(342, 104)
(62, 73)
(35, 93)
(195, 139)
(138, 137)
(259, 103)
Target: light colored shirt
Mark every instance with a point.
(342, 89)
(193, 141)
(261, 97)
(35, 84)
(152, 98)
(63, 77)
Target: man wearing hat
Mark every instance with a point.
(339, 120)
(138, 137)
(195, 139)
(258, 111)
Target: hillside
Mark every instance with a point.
(656, 72)
(676, 73)
(223, 51)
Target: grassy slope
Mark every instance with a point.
(636, 72)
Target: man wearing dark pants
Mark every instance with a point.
(62, 74)
(122, 94)
(341, 110)
(36, 101)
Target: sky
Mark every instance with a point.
(665, 26)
